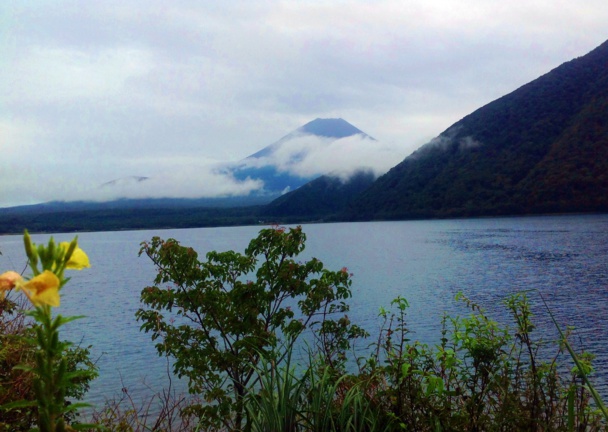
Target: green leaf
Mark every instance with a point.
(17, 404)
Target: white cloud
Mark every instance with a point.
(305, 156)
(181, 181)
(310, 156)
(185, 182)
(51, 75)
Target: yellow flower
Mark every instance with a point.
(78, 260)
(8, 280)
(42, 289)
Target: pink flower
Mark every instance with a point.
(8, 280)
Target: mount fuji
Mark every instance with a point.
(298, 157)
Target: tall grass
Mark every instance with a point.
(582, 367)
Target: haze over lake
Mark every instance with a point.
(427, 262)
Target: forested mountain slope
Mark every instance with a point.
(323, 197)
(542, 148)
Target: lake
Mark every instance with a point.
(427, 262)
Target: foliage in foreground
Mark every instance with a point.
(16, 384)
(224, 317)
(481, 377)
(40, 375)
(234, 340)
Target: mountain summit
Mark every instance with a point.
(331, 128)
(288, 163)
(540, 149)
(334, 128)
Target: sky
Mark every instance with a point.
(96, 91)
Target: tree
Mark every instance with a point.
(221, 326)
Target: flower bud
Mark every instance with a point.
(70, 249)
(30, 251)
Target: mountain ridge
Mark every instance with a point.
(484, 164)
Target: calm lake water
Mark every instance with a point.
(564, 258)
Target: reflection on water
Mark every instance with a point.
(562, 258)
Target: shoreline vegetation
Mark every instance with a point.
(232, 323)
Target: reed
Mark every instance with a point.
(582, 367)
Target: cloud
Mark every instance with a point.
(305, 156)
(58, 75)
(187, 182)
(181, 181)
(173, 177)
(446, 141)
(310, 156)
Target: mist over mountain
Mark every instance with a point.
(331, 147)
(124, 181)
(540, 149)
(320, 147)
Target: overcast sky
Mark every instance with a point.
(92, 91)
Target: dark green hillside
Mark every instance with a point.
(574, 173)
(541, 148)
(322, 197)
(117, 219)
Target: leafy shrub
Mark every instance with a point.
(221, 318)
(481, 377)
